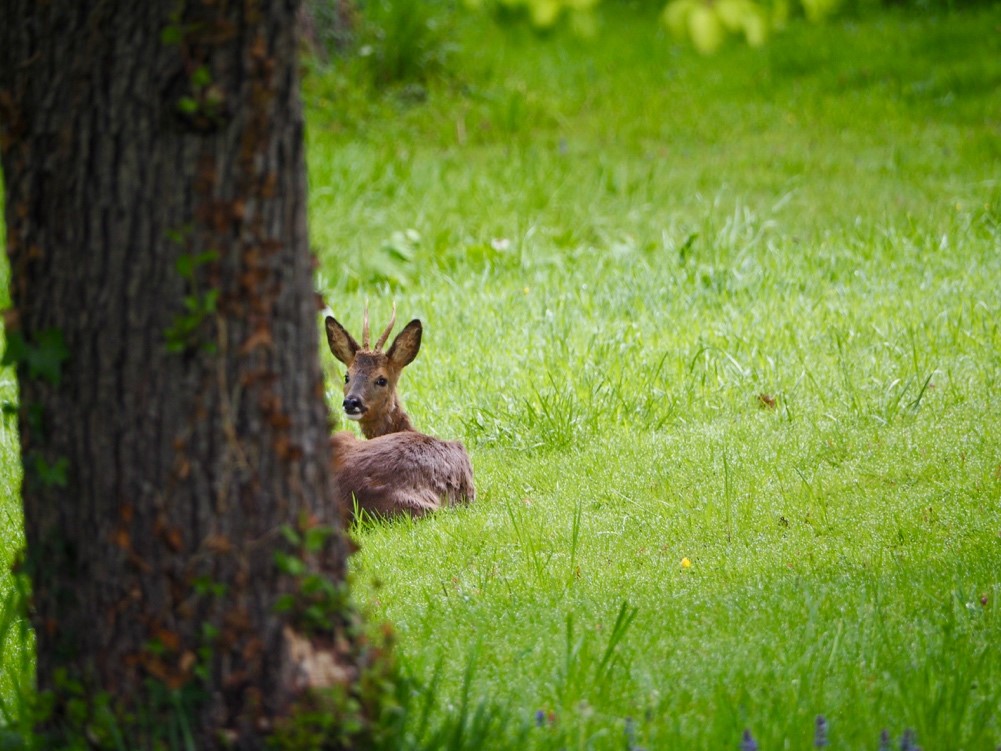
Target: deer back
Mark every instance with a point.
(400, 473)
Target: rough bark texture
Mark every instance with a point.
(172, 416)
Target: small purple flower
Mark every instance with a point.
(884, 740)
(631, 736)
(540, 718)
(820, 734)
(907, 741)
(747, 743)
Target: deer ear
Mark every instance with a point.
(406, 345)
(341, 343)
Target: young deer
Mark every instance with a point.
(397, 470)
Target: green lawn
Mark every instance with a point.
(742, 311)
(16, 653)
(617, 247)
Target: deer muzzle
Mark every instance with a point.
(354, 408)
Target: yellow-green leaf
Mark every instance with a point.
(675, 17)
(756, 29)
(545, 12)
(733, 13)
(818, 10)
(705, 29)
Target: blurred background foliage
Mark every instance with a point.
(406, 41)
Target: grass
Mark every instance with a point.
(742, 311)
(16, 644)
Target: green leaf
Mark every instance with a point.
(733, 12)
(187, 105)
(50, 474)
(16, 350)
(756, 29)
(155, 647)
(188, 263)
(171, 35)
(544, 12)
(817, 10)
(206, 585)
(45, 359)
(201, 77)
(290, 535)
(675, 17)
(317, 616)
(289, 564)
(210, 632)
(705, 29)
(316, 537)
(185, 265)
(312, 584)
(209, 301)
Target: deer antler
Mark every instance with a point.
(364, 329)
(388, 331)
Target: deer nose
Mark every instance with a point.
(353, 406)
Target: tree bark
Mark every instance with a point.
(172, 418)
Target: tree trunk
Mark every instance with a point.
(172, 418)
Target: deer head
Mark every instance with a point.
(370, 384)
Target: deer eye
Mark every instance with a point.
(347, 377)
(380, 381)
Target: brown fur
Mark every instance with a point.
(398, 470)
(400, 473)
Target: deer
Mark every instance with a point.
(396, 470)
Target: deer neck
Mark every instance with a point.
(393, 420)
